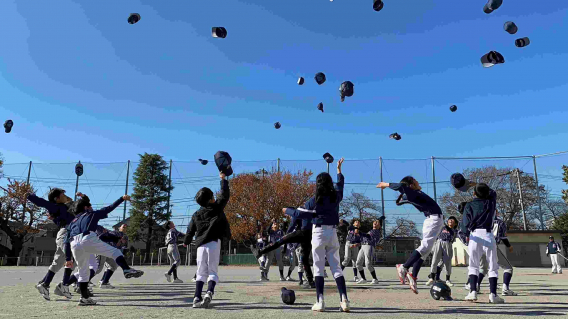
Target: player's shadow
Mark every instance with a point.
(518, 311)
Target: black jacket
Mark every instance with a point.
(479, 214)
(209, 223)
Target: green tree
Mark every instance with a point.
(149, 200)
(565, 179)
(561, 224)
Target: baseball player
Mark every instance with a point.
(173, 252)
(552, 250)
(83, 242)
(365, 257)
(352, 246)
(323, 209)
(293, 260)
(260, 244)
(57, 206)
(342, 231)
(411, 193)
(209, 225)
(274, 235)
(116, 239)
(443, 252)
(477, 224)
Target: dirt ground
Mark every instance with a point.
(240, 295)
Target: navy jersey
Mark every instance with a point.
(372, 238)
(447, 234)
(500, 232)
(353, 238)
(418, 199)
(479, 214)
(172, 236)
(552, 248)
(59, 212)
(260, 244)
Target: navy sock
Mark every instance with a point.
(195, 276)
(175, 273)
(171, 269)
(438, 272)
(447, 277)
(433, 276)
(48, 278)
(198, 289)
(507, 279)
(342, 267)
(374, 274)
(84, 287)
(472, 283)
(481, 276)
(468, 280)
(362, 272)
(72, 280)
(106, 276)
(355, 272)
(416, 267)
(122, 263)
(290, 271)
(66, 276)
(301, 275)
(91, 274)
(340, 281)
(493, 285)
(319, 286)
(281, 272)
(211, 286)
(413, 258)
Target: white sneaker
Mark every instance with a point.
(493, 298)
(472, 296)
(467, 287)
(290, 279)
(430, 282)
(401, 272)
(375, 282)
(449, 283)
(197, 303)
(344, 306)
(87, 302)
(132, 273)
(106, 286)
(412, 283)
(168, 277)
(207, 300)
(356, 279)
(319, 306)
(178, 281)
(508, 292)
(193, 279)
(362, 281)
(61, 291)
(43, 291)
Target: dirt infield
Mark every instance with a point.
(240, 295)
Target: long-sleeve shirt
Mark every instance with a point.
(418, 199)
(372, 238)
(353, 238)
(59, 212)
(447, 234)
(274, 236)
(172, 236)
(87, 222)
(479, 214)
(500, 232)
(552, 247)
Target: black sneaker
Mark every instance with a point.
(312, 284)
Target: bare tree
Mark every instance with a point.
(404, 228)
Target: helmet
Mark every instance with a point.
(441, 290)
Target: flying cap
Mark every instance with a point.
(300, 81)
(492, 5)
(395, 136)
(8, 126)
(378, 5)
(492, 58)
(204, 162)
(320, 78)
(223, 161)
(510, 27)
(459, 182)
(453, 108)
(522, 42)
(320, 107)
(277, 125)
(133, 18)
(219, 32)
(328, 158)
(288, 296)
(346, 89)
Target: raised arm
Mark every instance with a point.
(340, 181)
(103, 212)
(38, 201)
(223, 198)
(306, 212)
(191, 230)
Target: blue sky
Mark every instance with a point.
(80, 83)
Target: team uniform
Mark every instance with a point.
(342, 231)
(352, 246)
(113, 238)
(83, 242)
(61, 217)
(273, 237)
(430, 230)
(291, 251)
(325, 218)
(442, 255)
(478, 217)
(209, 225)
(365, 257)
(173, 254)
(261, 244)
(552, 250)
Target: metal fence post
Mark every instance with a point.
(133, 260)
(383, 199)
(278, 165)
(37, 259)
(126, 191)
(18, 264)
(152, 259)
(537, 188)
(140, 260)
(434, 179)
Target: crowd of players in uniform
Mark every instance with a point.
(314, 230)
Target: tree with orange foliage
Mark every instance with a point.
(257, 200)
(18, 222)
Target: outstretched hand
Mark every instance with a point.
(339, 165)
(222, 175)
(126, 197)
(383, 185)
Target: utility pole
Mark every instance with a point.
(521, 199)
(434, 179)
(383, 199)
(169, 185)
(28, 184)
(126, 190)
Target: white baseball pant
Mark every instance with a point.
(442, 255)
(365, 257)
(325, 244)
(351, 254)
(300, 259)
(293, 260)
(482, 242)
(173, 254)
(109, 263)
(277, 253)
(85, 248)
(208, 261)
(430, 230)
(555, 265)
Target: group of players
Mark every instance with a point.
(314, 229)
